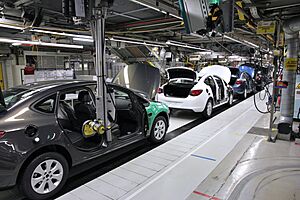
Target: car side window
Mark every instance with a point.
(122, 100)
(219, 82)
(46, 105)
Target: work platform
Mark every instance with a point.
(176, 168)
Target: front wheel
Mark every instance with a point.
(230, 100)
(159, 130)
(208, 109)
(44, 176)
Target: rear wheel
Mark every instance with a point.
(208, 109)
(244, 95)
(44, 176)
(159, 130)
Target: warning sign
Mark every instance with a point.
(266, 27)
(290, 64)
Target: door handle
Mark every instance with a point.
(31, 130)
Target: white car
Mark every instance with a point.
(199, 92)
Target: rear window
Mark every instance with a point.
(235, 73)
(14, 95)
(182, 81)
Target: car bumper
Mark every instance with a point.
(8, 173)
(10, 163)
(238, 90)
(195, 104)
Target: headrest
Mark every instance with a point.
(62, 97)
(84, 96)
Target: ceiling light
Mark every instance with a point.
(83, 39)
(155, 8)
(184, 45)
(61, 33)
(136, 42)
(7, 40)
(178, 17)
(251, 44)
(244, 42)
(146, 5)
(16, 44)
(11, 26)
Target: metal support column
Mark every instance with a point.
(291, 29)
(99, 37)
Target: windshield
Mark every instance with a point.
(12, 96)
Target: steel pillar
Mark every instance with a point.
(291, 29)
(99, 38)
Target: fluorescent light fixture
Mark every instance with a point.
(39, 43)
(251, 44)
(178, 17)
(205, 52)
(184, 45)
(83, 39)
(244, 42)
(155, 8)
(136, 42)
(16, 44)
(61, 33)
(146, 5)
(11, 26)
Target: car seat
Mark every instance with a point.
(66, 115)
(84, 110)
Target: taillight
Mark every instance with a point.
(195, 92)
(2, 134)
(238, 82)
(160, 90)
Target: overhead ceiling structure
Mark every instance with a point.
(140, 22)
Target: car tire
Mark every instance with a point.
(244, 95)
(38, 181)
(208, 109)
(230, 101)
(158, 130)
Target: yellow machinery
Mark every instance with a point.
(92, 127)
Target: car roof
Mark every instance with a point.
(61, 84)
(57, 83)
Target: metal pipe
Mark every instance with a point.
(291, 29)
(288, 94)
(101, 99)
(124, 15)
(292, 26)
(282, 7)
(129, 12)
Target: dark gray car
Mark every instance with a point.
(40, 132)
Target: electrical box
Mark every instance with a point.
(194, 13)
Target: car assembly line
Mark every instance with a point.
(149, 99)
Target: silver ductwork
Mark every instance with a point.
(291, 29)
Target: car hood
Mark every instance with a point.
(142, 78)
(248, 69)
(181, 72)
(217, 70)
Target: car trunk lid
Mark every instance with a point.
(142, 78)
(181, 72)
